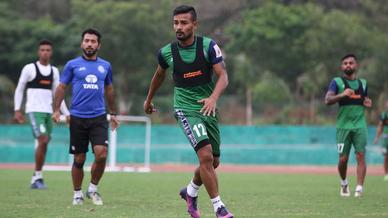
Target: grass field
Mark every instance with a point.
(156, 195)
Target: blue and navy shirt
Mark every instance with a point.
(88, 79)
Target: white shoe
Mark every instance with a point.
(78, 200)
(345, 192)
(96, 197)
(357, 194)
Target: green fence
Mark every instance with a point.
(281, 145)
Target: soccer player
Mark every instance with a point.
(193, 59)
(382, 128)
(351, 93)
(91, 78)
(41, 79)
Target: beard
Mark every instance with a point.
(89, 52)
(182, 37)
(349, 71)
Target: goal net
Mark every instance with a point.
(113, 148)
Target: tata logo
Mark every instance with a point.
(90, 79)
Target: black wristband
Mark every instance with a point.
(113, 114)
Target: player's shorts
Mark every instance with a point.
(200, 130)
(348, 137)
(41, 123)
(83, 130)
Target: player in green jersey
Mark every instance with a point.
(382, 129)
(193, 59)
(351, 93)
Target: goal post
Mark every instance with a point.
(112, 165)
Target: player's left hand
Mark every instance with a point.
(209, 106)
(367, 102)
(114, 122)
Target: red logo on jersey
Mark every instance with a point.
(45, 82)
(192, 74)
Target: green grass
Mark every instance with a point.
(156, 195)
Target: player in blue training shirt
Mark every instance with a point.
(91, 78)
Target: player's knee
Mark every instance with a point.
(206, 159)
(360, 156)
(43, 140)
(343, 159)
(101, 157)
(78, 165)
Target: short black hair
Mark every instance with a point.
(183, 9)
(45, 42)
(92, 31)
(350, 55)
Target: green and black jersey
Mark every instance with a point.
(384, 119)
(351, 113)
(191, 70)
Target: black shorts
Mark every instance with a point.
(83, 130)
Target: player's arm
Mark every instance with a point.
(63, 108)
(367, 101)
(209, 104)
(217, 61)
(332, 97)
(379, 131)
(156, 82)
(58, 98)
(110, 97)
(18, 96)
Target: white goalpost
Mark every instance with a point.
(112, 165)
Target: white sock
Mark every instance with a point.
(78, 194)
(217, 203)
(359, 188)
(344, 182)
(192, 189)
(92, 188)
(37, 175)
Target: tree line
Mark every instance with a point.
(280, 55)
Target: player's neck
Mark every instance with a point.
(187, 42)
(353, 76)
(44, 62)
(91, 58)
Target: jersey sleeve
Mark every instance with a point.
(109, 76)
(214, 53)
(19, 92)
(161, 60)
(333, 87)
(67, 74)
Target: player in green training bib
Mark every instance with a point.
(351, 94)
(382, 129)
(193, 60)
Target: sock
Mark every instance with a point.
(78, 193)
(217, 203)
(92, 188)
(192, 189)
(37, 175)
(359, 188)
(344, 182)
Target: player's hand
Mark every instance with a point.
(114, 123)
(367, 102)
(68, 119)
(348, 92)
(149, 107)
(19, 117)
(56, 117)
(209, 106)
